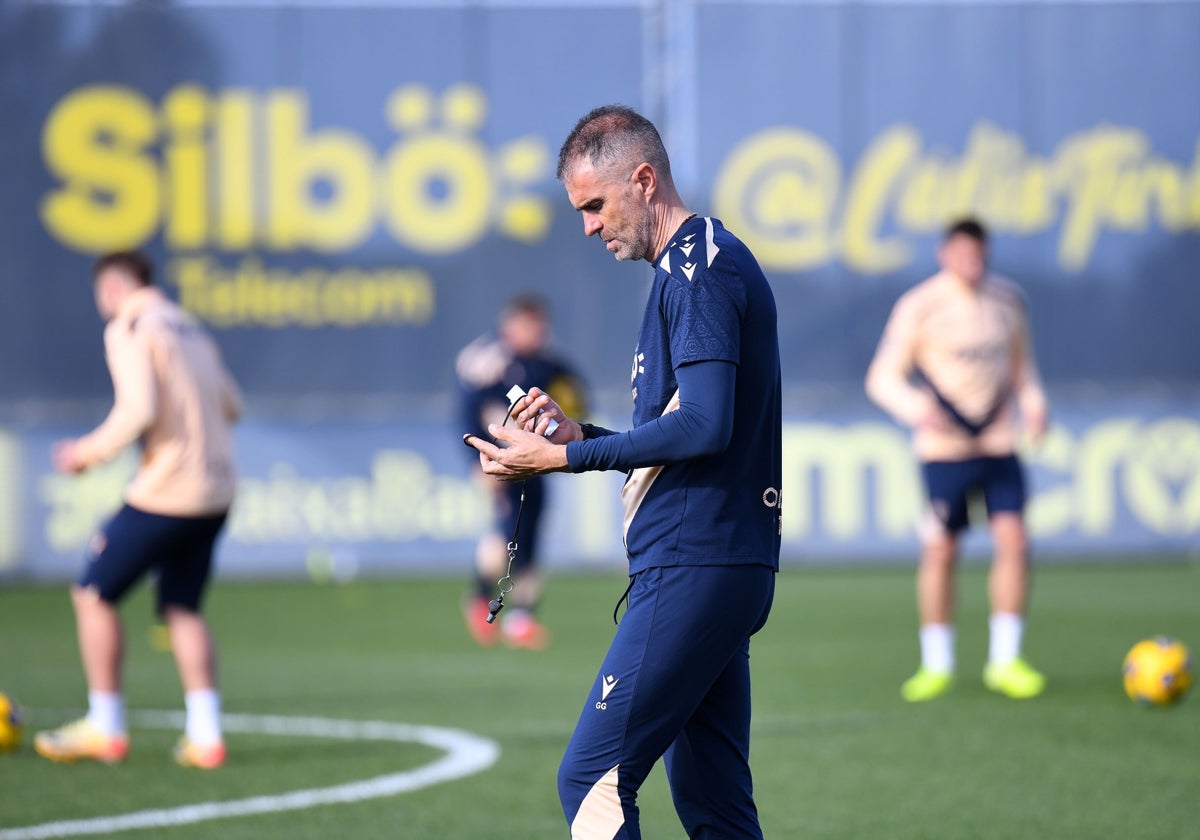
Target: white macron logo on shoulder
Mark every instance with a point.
(609, 683)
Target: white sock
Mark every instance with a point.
(937, 647)
(106, 711)
(203, 717)
(1004, 639)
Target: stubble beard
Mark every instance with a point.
(636, 246)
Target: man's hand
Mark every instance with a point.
(527, 454)
(935, 419)
(67, 458)
(534, 411)
(1036, 424)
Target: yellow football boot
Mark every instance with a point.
(1016, 679)
(80, 741)
(926, 685)
(208, 757)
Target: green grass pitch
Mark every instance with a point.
(836, 754)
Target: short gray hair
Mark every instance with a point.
(614, 137)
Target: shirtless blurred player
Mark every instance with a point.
(955, 360)
(173, 393)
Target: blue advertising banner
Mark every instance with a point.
(339, 500)
(340, 189)
(345, 195)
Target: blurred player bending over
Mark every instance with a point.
(954, 358)
(173, 393)
(701, 498)
(487, 368)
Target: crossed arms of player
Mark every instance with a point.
(889, 378)
(702, 425)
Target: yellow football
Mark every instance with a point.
(10, 724)
(1158, 671)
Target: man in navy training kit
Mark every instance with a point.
(702, 497)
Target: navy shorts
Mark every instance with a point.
(178, 548)
(951, 484)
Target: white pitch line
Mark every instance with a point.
(466, 754)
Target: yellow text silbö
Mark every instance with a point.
(237, 170)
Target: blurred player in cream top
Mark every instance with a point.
(171, 392)
(964, 337)
(956, 364)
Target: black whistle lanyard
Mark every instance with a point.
(506, 584)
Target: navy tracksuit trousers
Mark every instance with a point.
(675, 683)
